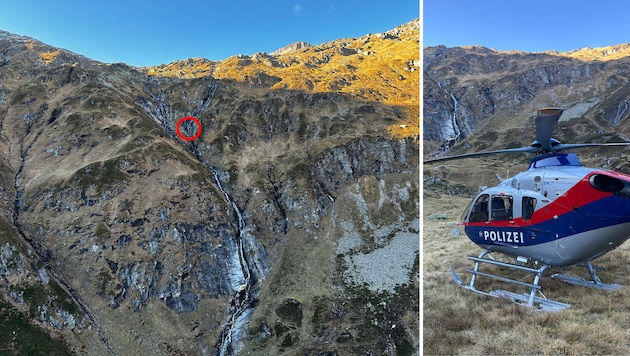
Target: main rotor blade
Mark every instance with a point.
(545, 122)
(486, 153)
(570, 146)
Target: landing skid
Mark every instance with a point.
(594, 283)
(528, 299)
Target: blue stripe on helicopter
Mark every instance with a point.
(597, 214)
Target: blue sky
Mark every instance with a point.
(142, 33)
(526, 25)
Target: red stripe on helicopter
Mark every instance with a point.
(579, 195)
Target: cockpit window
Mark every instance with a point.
(529, 205)
(501, 207)
(479, 210)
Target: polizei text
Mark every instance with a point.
(503, 236)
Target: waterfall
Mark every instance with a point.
(246, 294)
(451, 132)
(622, 110)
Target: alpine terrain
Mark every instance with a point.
(284, 219)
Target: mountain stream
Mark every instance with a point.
(246, 294)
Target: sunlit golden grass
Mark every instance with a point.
(608, 53)
(457, 321)
(48, 57)
(586, 54)
(377, 74)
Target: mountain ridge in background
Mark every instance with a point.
(260, 236)
(476, 98)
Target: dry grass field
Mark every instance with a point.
(457, 321)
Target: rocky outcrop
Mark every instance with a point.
(290, 48)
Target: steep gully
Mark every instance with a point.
(246, 288)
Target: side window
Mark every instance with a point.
(479, 211)
(501, 207)
(529, 204)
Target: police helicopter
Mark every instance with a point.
(556, 214)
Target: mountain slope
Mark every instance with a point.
(476, 90)
(257, 236)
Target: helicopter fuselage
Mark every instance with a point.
(557, 213)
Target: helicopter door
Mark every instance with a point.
(501, 208)
(528, 205)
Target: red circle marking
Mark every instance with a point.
(181, 121)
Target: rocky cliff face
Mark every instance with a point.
(273, 231)
(471, 91)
